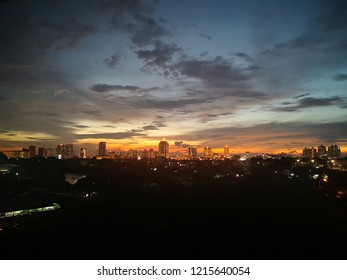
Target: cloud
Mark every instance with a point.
(301, 95)
(159, 56)
(136, 18)
(81, 126)
(340, 77)
(93, 113)
(181, 144)
(150, 127)
(113, 61)
(116, 135)
(285, 134)
(207, 37)
(120, 88)
(217, 72)
(309, 102)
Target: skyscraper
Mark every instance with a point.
(32, 151)
(163, 148)
(102, 149)
(207, 152)
(64, 151)
(192, 152)
(41, 152)
(322, 150)
(334, 151)
(83, 153)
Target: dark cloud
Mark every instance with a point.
(218, 72)
(181, 144)
(113, 61)
(159, 58)
(158, 123)
(243, 55)
(301, 95)
(212, 116)
(112, 88)
(110, 126)
(41, 139)
(116, 135)
(340, 77)
(205, 36)
(136, 18)
(107, 88)
(93, 113)
(309, 102)
(150, 127)
(81, 126)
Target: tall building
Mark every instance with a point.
(163, 148)
(41, 152)
(132, 153)
(102, 149)
(64, 151)
(32, 151)
(207, 152)
(334, 151)
(151, 153)
(49, 152)
(83, 153)
(322, 150)
(226, 150)
(192, 152)
(309, 153)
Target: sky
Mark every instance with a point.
(257, 75)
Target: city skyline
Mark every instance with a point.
(263, 77)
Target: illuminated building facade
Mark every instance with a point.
(309, 153)
(192, 153)
(163, 148)
(334, 151)
(64, 151)
(207, 152)
(49, 152)
(151, 153)
(322, 150)
(83, 153)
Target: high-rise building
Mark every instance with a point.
(151, 153)
(132, 153)
(334, 151)
(49, 152)
(309, 153)
(226, 150)
(64, 151)
(322, 150)
(207, 152)
(102, 149)
(163, 148)
(83, 153)
(32, 151)
(192, 152)
(41, 152)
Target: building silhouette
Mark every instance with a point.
(83, 153)
(207, 152)
(163, 148)
(102, 149)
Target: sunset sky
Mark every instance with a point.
(260, 76)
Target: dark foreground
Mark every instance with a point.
(255, 216)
